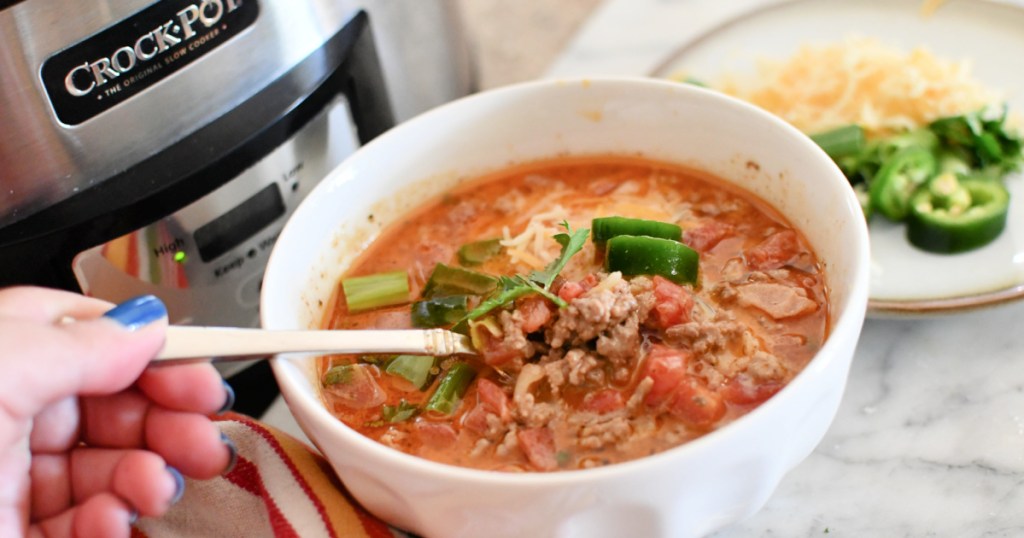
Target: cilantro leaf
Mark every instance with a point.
(512, 288)
(399, 413)
(571, 243)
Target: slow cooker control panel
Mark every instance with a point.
(212, 253)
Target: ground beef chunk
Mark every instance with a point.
(765, 366)
(581, 367)
(621, 344)
(597, 430)
(508, 347)
(514, 337)
(510, 441)
(705, 337)
(531, 413)
(596, 311)
(643, 289)
(556, 373)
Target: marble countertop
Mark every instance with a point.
(929, 440)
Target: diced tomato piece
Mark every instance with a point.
(590, 281)
(603, 401)
(435, 434)
(744, 390)
(696, 405)
(476, 419)
(704, 237)
(494, 351)
(672, 303)
(774, 252)
(536, 312)
(493, 398)
(665, 366)
(538, 445)
(571, 290)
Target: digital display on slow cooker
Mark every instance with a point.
(228, 230)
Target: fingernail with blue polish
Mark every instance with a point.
(133, 517)
(179, 484)
(138, 312)
(233, 457)
(229, 400)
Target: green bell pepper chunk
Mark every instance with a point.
(478, 252)
(439, 311)
(446, 280)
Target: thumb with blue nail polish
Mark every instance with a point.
(138, 312)
(68, 387)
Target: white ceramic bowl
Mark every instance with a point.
(690, 490)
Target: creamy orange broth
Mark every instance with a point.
(760, 290)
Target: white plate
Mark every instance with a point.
(904, 280)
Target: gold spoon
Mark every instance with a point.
(193, 344)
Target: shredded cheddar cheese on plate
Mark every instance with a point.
(859, 80)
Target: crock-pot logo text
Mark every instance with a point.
(190, 27)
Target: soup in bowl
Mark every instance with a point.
(665, 287)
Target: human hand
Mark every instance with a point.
(89, 438)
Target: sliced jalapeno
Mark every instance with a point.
(950, 215)
(606, 228)
(897, 180)
(637, 255)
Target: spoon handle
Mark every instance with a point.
(190, 344)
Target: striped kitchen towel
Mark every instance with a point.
(279, 487)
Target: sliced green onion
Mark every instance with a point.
(607, 227)
(374, 291)
(416, 369)
(446, 280)
(451, 389)
(439, 311)
(633, 255)
(841, 142)
(399, 413)
(478, 252)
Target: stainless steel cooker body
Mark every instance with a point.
(45, 158)
(158, 147)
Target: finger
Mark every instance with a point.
(189, 442)
(51, 489)
(193, 387)
(48, 305)
(102, 516)
(55, 428)
(139, 477)
(98, 356)
(115, 421)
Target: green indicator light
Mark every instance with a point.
(180, 256)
